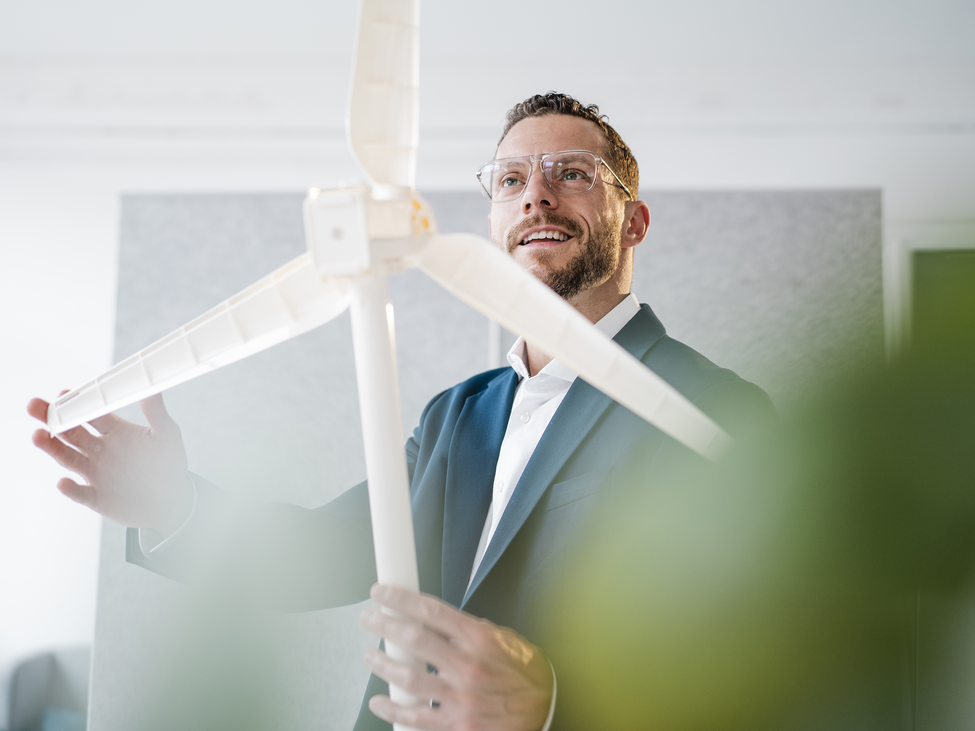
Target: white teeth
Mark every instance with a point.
(557, 235)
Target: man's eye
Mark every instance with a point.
(572, 175)
(509, 181)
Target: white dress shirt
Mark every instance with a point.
(537, 398)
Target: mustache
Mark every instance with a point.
(540, 219)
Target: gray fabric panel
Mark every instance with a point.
(783, 287)
(281, 425)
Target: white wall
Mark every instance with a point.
(104, 96)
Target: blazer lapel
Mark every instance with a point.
(471, 462)
(581, 408)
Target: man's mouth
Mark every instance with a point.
(548, 234)
(541, 231)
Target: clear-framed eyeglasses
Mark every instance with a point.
(567, 173)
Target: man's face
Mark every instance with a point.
(585, 249)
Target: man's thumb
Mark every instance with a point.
(156, 414)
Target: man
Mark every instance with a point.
(506, 468)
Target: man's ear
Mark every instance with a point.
(636, 221)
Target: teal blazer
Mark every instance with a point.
(312, 559)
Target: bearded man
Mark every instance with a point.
(506, 469)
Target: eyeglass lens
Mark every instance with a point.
(565, 172)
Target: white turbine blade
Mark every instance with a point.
(288, 302)
(383, 107)
(491, 282)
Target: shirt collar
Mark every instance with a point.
(610, 325)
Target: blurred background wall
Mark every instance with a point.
(100, 98)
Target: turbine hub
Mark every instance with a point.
(350, 232)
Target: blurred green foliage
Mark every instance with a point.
(777, 589)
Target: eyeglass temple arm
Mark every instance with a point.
(622, 184)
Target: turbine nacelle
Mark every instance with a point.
(352, 231)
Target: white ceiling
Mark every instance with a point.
(265, 83)
(504, 31)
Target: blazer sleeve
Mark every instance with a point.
(275, 555)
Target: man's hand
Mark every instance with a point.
(487, 677)
(132, 474)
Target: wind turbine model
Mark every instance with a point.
(357, 237)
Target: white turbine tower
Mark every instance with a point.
(357, 237)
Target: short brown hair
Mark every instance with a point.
(617, 152)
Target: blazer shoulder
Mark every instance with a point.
(736, 404)
(684, 368)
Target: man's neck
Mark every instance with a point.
(592, 310)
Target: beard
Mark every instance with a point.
(597, 258)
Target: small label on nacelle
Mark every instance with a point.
(336, 231)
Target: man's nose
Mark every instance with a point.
(537, 193)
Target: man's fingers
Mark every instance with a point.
(483, 668)
(155, 410)
(38, 409)
(105, 424)
(416, 639)
(64, 455)
(425, 609)
(82, 494)
(430, 719)
(82, 439)
(411, 679)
